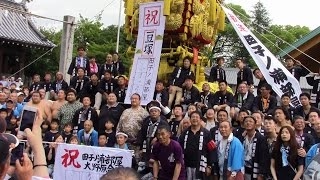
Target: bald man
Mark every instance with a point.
(88, 136)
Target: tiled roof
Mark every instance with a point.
(18, 28)
(231, 75)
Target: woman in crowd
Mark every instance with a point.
(285, 162)
(51, 152)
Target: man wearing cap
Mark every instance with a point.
(21, 98)
(17, 107)
(149, 128)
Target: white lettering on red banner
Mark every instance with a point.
(281, 80)
(146, 61)
(78, 162)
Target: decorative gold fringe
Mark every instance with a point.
(129, 7)
(166, 7)
(222, 18)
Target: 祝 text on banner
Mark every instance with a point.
(281, 80)
(146, 61)
(78, 162)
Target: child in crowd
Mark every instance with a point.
(67, 132)
(54, 126)
(3, 113)
(102, 141)
(73, 140)
(12, 126)
(109, 132)
(45, 127)
(121, 141)
(121, 144)
(50, 152)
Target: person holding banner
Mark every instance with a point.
(51, 152)
(297, 71)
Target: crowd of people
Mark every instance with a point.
(181, 134)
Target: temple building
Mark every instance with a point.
(18, 35)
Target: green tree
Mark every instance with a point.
(260, 18)
(280, 36)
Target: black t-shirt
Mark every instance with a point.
(111, 138)
(191, 157)
(286, 172)
(174, 125)
(49, 136)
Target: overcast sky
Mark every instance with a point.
(282, 12)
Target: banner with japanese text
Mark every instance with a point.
(78, 162)
(281, 80)
(146, 61)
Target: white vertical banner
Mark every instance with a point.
(146, 61)
(78, 162)
(281, 80)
